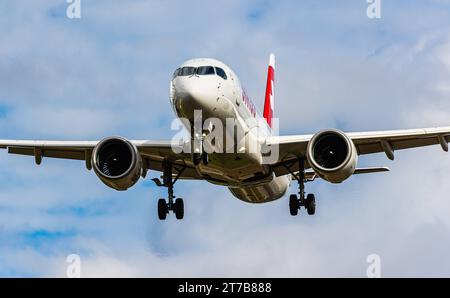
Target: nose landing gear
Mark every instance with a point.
(198, 158)
(199, 155)
(302, 200)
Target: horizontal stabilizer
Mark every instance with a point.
(313, 175)
(371, 170)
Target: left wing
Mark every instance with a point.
(152, 152)
(291, 147)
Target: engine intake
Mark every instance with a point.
(117, 163)
(332, 155)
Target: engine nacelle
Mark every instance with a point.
(332, 155)
(117, 163)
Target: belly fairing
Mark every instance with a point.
(263, 193)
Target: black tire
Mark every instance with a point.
(311, 204)
(205, 158)
(162, 209)
(196, 158)
(293, 205)
(178, 208)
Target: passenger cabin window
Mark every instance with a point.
(186, 71)
(205, 71)
(221, 73)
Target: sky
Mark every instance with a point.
(108, 74)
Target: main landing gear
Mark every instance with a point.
(297, 202)
(177, 206)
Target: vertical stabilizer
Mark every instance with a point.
(270, 96)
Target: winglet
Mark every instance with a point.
(270, 95)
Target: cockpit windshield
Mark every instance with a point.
(199, 71)
(221, 73)
(205, 70)
(186, 71)
(175, 73)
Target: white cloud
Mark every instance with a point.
(442, 54)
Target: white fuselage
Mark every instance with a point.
(223, 97)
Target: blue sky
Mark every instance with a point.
(108, 73)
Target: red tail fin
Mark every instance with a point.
(268, 103)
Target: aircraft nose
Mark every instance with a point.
(192, 94)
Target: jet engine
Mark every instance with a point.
(332, 155)
(117, 163)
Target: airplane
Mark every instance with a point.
(210, 86)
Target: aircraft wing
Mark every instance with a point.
(152, 152)
(366, 143)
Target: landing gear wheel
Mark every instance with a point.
(311, 204)
(205, 158)
(162, 209)
(196, 158)
(293, 205)
(178, 208)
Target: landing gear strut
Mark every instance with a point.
(177, 206)
(199, 155)
(309, 201)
